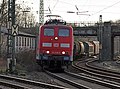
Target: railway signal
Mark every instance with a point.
(15, 30)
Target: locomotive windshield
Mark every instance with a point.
(48, 32)
(63, 32)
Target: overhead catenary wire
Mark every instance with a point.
(55, 4)
(89, 5)
(93, 7)
(106, 8)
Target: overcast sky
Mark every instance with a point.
(109, 9)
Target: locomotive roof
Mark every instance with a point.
(60, 25)
(52, 16)
(55, 21)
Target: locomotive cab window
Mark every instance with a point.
(63, 32)
(48, 32)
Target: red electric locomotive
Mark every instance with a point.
(55, 44)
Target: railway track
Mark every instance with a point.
(104, 71)
(12, 85)
(83, 82)
(66, 80)
(88, 70)
(19, 83)
(95, 80)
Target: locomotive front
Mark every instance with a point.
(55, 45)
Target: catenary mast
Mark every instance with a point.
(41, 12)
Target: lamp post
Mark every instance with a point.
(26, 11)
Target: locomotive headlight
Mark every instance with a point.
(47, 52)
(63, 52)
(56, 38)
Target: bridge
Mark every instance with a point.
(92, 29)
(85, 31)
(105, 32)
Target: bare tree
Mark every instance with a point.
(24, 16)
(3, 13)
(21, 17)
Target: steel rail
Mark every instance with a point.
(100, 74)
(11, 85)
(97, 72)
(106, 83)
(75, 84)
(35, 83)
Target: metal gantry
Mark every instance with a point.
(41, 12)
(10, 38)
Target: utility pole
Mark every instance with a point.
(0, 29)
(0, 34)
(100, 36)
(25, 13)
(41, 12)
(11, 37)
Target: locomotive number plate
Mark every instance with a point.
(56, 45)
